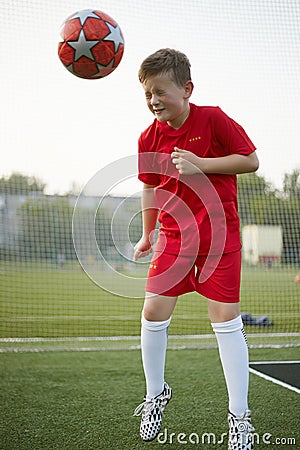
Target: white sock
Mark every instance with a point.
(154, 339)
(233, 351)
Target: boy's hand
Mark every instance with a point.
(142, 248)
(187, 163)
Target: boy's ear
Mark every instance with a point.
(188, 87)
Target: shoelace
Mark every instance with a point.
(148, 405)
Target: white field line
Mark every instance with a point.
(203, 341)
(129, 338)
(128, 348)
(274, 380)
(275, 362)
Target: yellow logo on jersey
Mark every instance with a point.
(197, 138)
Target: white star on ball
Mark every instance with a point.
(83, 15)
(100, 67)
(114, 36)
(83, 47)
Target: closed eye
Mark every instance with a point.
(159, 93)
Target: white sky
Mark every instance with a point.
(63, 129)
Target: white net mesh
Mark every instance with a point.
(245, 58)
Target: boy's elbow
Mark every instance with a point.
(255, 166)
(253, 162)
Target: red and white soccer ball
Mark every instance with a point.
(93, 44)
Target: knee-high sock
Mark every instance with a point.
(233, 351)
(154, 339)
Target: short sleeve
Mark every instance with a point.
(231, 135)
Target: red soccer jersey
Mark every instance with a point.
(192, 204)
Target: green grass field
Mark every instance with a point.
(53, 397)
(85, 401)
(41, 301)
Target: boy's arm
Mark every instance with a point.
(149, 217)
(187, 163)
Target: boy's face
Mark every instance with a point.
(168, 101)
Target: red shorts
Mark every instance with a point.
(217, 278)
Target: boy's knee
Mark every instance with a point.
(155, 325)
(158, 307)
(223, 312)
(152, 316)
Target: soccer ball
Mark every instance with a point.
(93, 44)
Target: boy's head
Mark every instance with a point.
(167, 84)
(166, 61)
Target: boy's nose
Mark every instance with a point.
(154, 100)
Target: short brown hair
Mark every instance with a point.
(164, 61)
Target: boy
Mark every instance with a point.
(198, 246)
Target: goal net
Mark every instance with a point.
(66, 253)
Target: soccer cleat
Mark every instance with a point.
(240, 432)
(152, 410)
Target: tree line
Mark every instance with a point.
(45, 230)
(260, 203)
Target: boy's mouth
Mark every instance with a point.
(158, 111)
